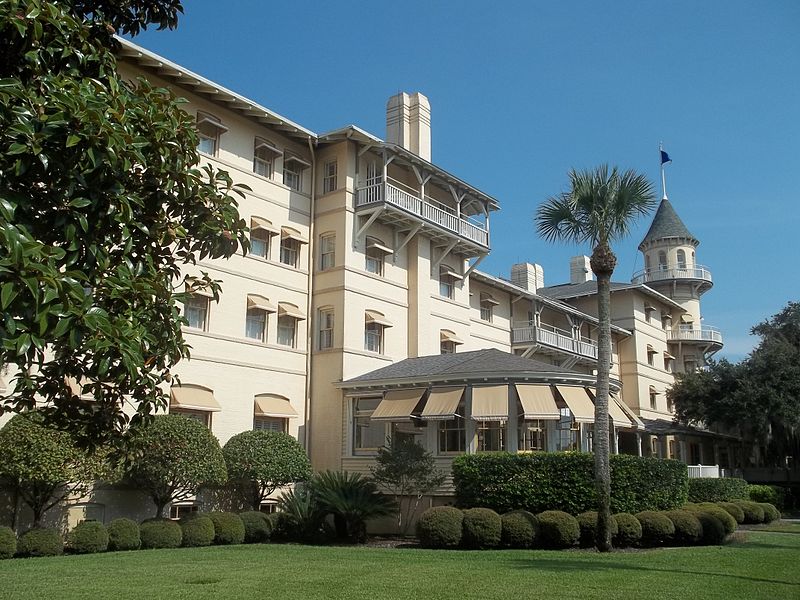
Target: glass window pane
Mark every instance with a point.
(286, 331)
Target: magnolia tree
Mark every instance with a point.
(172, 457)
(259, 462)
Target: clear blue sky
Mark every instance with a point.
(523, 91)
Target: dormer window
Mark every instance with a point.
(209, 129)
(293, 168)
(264, 155)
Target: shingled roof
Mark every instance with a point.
(667, 224)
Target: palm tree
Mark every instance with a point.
(599, 208)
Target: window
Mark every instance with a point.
(447, 279)
(651, 356)
(649, 311)
(325, 328)
(647, 262)
(568, 432)
(403, 431)
(178, 511)
(669, 362)
(197, 415)
(268, 507)
(264, 155)
(259, 243)
(673, 449)
(373, 337)
(491, 436)
(487, 307)
(447, 347)
(453, 433)
(662, 260)
(368, 436)
(532, 435)
(329, 177)
(654, 446)
(256, 324)
(670, 405)
(287, 326)
(293, 167)
(290, 251)
(196, 308)
(653, 395)
(277, 424)
(375, 254)
(327, 251)
(209, 128)
(681, 259)
(448, 341)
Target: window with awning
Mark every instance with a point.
(637, 423)
(193, 397)
(490, 403)
(579, 403)
(537, 402)
(273, 405)
(286, 309)
(254, 301)
(442, 404)
(398, 405)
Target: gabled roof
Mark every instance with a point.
(589, 288)
(667, 224)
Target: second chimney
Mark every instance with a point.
(528, 276)
(580, 269)
(408, 123)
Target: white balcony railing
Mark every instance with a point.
(704, 471)
(690, 333)
(553, 337)
(697, 272)
(427, 209)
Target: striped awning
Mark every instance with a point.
(578, 401)
(537, 402)
(398, 405)
(442, 404)
(490, 403)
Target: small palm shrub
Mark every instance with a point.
(228, 528)
(519, 529)
(257, 527)
(629, 530)
(657, 529)
(728, 522)
(8, 543)
(301, 518)
(197, 530)
(770, 512)
(558, 529)
(481, 528)
(440, 527)
(753, 513)
(41, 542)
(588, 524)
(688, 529)
(123, 534)
(88, 537)
(733, 510)
(713, 529)
(160, 533)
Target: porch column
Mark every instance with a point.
(615, 435)
(683, 450)
(702, 452)
(638, 444)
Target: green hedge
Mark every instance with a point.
(657, 528)
(766, 493)
(440, 527)
(588, 523)
(123, 534)
(197, 530)
(88, 537)
(565, 481)
(481, 528)
(257, 526)
(770, 512)
(160, 533)
(8, 543)
(717, 489)
(558, 529)
(753, 513)
(41, 542)
(228, 528)
(520, 529)
(629, 531)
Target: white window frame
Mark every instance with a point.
(290, 252)
(264, 156)
(484, 428)
(329, 178)
(327, 251)
(251, 316)
(277, 424)
(532, 435)
(209, 129)
(447, 284)
(260, 236)
(373, 258)
(459, 423)
(487, 312)
(283, 328)
(448, 347)
(362, 420)
(326, 325)
(374, 337)
(192, 305)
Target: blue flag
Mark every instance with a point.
(665, 157)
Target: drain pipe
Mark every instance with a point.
(309, 300)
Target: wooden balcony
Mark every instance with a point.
(693, 273)
(701, 335)
(553, 340)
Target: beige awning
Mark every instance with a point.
(442, 403)
(272, 405)
(292, 158)
(448, 336)
(379, 247)
(260, 302)
(649, 308)
(637, 422)
(373, 316)
(191, 288)
(490, 403)
(488, 299)
(650, 349)
(193, 397)
(618, 416)
(451, 274)
(397, 405)
(285, 309)
(669, 356)
(264, 225)
(685, 318)
(262, 144)
(578, 401)
(204, 119)
(293, 234)
(537, 402)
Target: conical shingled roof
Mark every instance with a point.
(667, 224)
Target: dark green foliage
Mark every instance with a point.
(770, 512)
(160, 533)
(557, 480)
(440, 527)
(520, 529)
(558, 529)
(8, 542)
(588, 524)
(257, 527)
(629, 530)
(688, 530)
(228, 528)
(716, 489)
(88, 537)
(40, 542)
(713, 529)
(481, 528)
(765, 493)
(197, 530)
(657, 529)
(123, 534)
(301, 518)
(753, 513)
(733, 510)
(722, 515)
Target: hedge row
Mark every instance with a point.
(717, 489)
(563, 481)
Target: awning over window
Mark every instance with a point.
(490, 403)
(260, 302)
(397, 405)
(379, 247)
(285, 309)
(537, 402)
(262, 144)
(488, 299)
(578, 401)
(293, 158)
(260, 223)
(650, 349)
(191, 288)
(293, 234)
(637, 422)
(193, 397)
(668, 356)
(448, 336)
(442, 403)
(272, 405)
(451, 274)
(206, 119)
(618, 416)
(686, 318)
(373, 316)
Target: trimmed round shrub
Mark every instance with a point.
(733, 510)
(88, 537)
(688, 529)
(520, 529)
(257, 527)
(629, 530)
(481, 528)
(197, 530)
(753, 513)
(40, 542)
(713, 529)
(657, 529)
(728, 522)
(558, 529)
(588, 524)
(228, 528)
(123, 534)
(770, 512)
(8, 543)
(440, 527)
(160, 533)
(763, 493)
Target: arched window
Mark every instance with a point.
(662, 260)
(653, 395)
(681, 259)
(647, 262)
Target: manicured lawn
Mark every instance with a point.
(759, 565)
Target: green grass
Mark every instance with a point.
(759, 565)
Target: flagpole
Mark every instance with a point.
(663, 176)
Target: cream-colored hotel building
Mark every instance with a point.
(360, 313)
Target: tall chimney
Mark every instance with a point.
(580, 270)
(527, 276)
(408, 123)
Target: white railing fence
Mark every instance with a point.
(703, 471)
